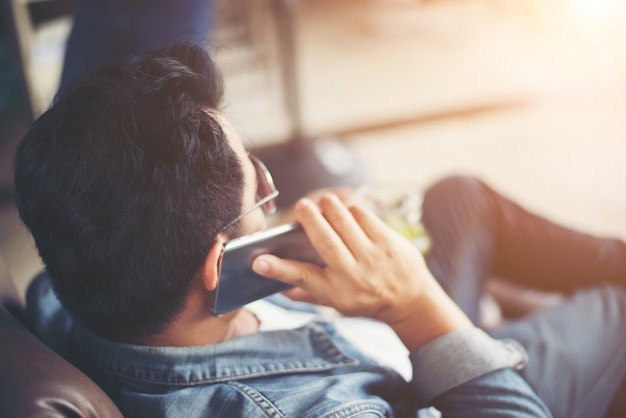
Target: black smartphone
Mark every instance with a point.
(238, 284)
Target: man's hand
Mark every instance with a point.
(287, 216)
(370, 271)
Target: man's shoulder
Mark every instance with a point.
(309, 395)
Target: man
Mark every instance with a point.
(132, 182)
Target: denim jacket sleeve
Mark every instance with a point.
(468, 373)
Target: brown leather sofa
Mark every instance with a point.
(34, 380)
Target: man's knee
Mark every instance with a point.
(454, 187)
(455, 193)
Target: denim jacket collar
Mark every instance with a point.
(308, 348)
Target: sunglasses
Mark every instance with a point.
(266, 192)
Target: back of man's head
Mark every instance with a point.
(124, 183)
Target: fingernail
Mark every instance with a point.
(261, 266)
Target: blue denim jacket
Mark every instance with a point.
(310, 371)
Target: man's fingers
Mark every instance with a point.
(323, 237)
(306, 278)
(372, 225)
(348, 229)
(292, 272)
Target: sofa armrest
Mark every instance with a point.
(37, 382)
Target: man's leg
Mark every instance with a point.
(478, 233)
(459, 218)
(575, 347)
(577, 351)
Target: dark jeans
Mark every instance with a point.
(577, 349)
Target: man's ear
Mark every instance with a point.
(213, 265)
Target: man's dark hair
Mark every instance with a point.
(124, 183)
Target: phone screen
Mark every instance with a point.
(238, 284)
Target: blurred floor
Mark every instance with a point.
(527, 95)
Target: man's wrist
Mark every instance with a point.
(431, 315)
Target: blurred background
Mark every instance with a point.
(526, 94)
